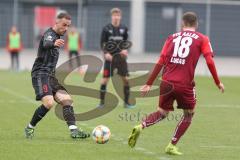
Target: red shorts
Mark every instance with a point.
(184, 95)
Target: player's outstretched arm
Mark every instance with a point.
(158, 67)
(207, 51)
(145, 89)
(59, 43)
(212, 69)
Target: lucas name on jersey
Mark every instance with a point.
(176, 60)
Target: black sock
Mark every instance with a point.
(68, 114)
(126, 93)
(39, 113)
(102, 93)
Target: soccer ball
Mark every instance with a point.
(101, 134)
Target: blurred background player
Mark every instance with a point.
(14, 46)
(116, 59)
(73, 46)
(178, 59)
(45, 84)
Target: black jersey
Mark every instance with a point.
(48, 54)
(115, 34)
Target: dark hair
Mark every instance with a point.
(64, 15)
(190, 19)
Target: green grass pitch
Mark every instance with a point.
(213, 135)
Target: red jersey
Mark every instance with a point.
(180, 55)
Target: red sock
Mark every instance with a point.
(181, 128)
(153, 118)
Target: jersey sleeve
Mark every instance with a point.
(104, 38)
(125, 36)
(212, 68)
(208, 54)
(48, 40)
(206, 47)
(161, 62)
(165, 48)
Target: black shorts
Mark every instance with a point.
(119, 63)
(45, 85)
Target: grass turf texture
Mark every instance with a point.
(214, 133)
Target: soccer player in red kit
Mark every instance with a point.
(179, 57)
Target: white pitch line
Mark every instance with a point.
(25, 98)
(149, 153)
(140, 149)
(164, 158)
(9, 91)
(60, 143)
(221, 147)
(13, 102)
(219, 105)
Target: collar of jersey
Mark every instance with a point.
(189, 29)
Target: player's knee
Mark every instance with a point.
(63, 98)
(125, 81)
(66, 101)
(188, 113)
(163, 112)
(48, 102)
(105, 81)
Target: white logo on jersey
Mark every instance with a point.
(49, 38)
(115, 38)
(121, 31)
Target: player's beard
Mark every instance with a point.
(62, 34)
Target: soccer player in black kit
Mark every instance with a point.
(46, 86)
(116, 58)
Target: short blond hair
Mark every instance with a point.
(64, 14)
(115, 10)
